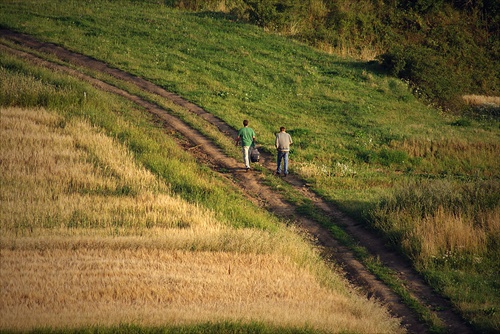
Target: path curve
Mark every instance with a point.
(253, 183)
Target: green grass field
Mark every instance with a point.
(361, 138)
(108, 225)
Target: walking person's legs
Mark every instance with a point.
(246, 158)
(278, 163)
(285, 163)
(281, 155)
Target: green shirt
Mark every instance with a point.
(246, 135)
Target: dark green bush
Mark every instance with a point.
(462, 122)
(430, 74)
(202, 5)
(389, 157)
(276, 14)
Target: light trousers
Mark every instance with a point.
(246, 156)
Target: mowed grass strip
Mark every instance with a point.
(78, 250)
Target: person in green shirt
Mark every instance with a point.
(246, 136)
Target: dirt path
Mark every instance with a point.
(252, 182)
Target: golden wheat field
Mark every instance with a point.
(89, 237)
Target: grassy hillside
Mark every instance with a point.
(361, 138)
(90, 237)
(446, 49)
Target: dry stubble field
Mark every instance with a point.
(88, 237)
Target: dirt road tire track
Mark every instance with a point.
(253, 184)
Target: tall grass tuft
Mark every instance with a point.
(451, 231)
(431, 219)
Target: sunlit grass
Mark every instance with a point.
(89, 236)
(72, 283)
(98, 255)
(481, 100)
(359, 135)
(357, 112)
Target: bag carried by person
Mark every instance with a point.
(254, 155)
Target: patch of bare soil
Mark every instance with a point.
(252, 183)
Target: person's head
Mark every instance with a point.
(245, 122)
(282, 129)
